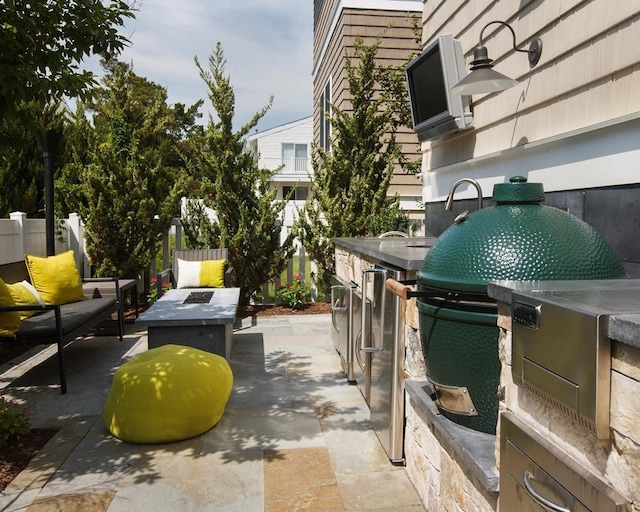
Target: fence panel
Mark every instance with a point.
(19, 235)
(174, 239)
(10, 241)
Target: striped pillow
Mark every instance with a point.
(201, 274)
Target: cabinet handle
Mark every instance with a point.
(540, 499)
(336, 296)
(365, 332)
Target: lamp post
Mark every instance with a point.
(48, 141)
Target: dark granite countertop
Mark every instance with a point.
(623, 327)
(403, 253)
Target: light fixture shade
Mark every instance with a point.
(482, 81)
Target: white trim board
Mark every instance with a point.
(604, 155)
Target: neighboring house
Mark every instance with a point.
(572, 123)
(336, 24)
(288, 148)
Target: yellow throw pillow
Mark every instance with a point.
(56, 277)
(9, 321)
(201, 274)
(24, 293)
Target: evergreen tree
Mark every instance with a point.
(349, 190)
(125, 178)
(229, 181)
(22, 161)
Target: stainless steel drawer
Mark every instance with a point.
(537, 476)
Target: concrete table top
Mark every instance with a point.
(170, 309)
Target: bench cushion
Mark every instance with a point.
(73, 315)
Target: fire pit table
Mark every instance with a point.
(201, 318)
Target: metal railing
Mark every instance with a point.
(290, 165)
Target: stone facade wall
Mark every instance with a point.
(349, 266)
(442, 483)
(615, 460)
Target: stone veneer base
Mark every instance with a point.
(474, 451)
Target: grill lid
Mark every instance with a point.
(518, 239)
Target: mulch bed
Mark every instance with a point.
(312, 308)
(15, 456)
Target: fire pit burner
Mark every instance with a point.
(198, 298)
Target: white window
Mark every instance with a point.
(294, 157)
(299, 194)
(325, 114)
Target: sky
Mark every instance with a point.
(267, 45)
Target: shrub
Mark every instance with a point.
(292, 294)
(13, 421)
(153, 290)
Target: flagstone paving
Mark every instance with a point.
(295, 435)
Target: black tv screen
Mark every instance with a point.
(427, 78)
(430, 76)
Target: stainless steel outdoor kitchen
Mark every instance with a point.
(369, 325)
(516, 325)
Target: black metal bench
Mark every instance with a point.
(61, 324)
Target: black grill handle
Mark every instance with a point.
(404, 290)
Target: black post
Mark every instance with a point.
(47, 142)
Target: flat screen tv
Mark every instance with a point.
(430, 76)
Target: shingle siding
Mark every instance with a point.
(395, 30)
(587, 75)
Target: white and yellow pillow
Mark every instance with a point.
(201, 274)
(56, 277)
(9, 321)
(24, 294)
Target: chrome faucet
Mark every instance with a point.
(449, 203)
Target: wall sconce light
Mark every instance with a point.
(482, 78)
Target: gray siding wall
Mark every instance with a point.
(585, 86)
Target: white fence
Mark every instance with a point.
(20, 235)
(297, 265)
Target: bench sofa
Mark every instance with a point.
(60, 324)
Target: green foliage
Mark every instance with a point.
(13, 421)
(42, 44)
(126, 175)
(226, 177)
(293, 294)
(22, 161)
(349, 191)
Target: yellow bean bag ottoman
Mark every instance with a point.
(167, 394)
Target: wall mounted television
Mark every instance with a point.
(430, 76)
